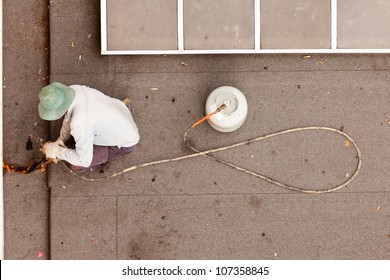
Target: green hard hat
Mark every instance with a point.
(55, 100)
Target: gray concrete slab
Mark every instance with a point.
(363, 24)
(283, 92)
(335, 226)
(277, 101)
(21, 119)
(211, 24)
(251, 63)
(241, 226)
(78, 233)
(26, 216)
(25, 66)
(297, 24)
(142, 25)
(75, 38)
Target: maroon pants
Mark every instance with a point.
(102, 155)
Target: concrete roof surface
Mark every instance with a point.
(197, 208)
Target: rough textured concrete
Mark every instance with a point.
(252, 226)
(207, 226)
(81, 234)
(26, 197)
(199, 209)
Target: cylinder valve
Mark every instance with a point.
(235, 110)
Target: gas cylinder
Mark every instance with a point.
(233, 116)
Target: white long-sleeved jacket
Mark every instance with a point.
(95, 119)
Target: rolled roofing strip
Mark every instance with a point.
(1, 138)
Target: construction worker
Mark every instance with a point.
(94, 128)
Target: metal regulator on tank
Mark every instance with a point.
(235, 112)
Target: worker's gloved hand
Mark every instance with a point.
(52, 150)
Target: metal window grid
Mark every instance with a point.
(257, 49)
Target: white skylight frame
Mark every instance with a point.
(257, 46)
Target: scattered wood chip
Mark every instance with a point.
(40, 71)
(184, 63)
(127, 101)
(153, 88)
(89, 35)
(320, 62)
(378, 208)
(307, 56)
(80, 57)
